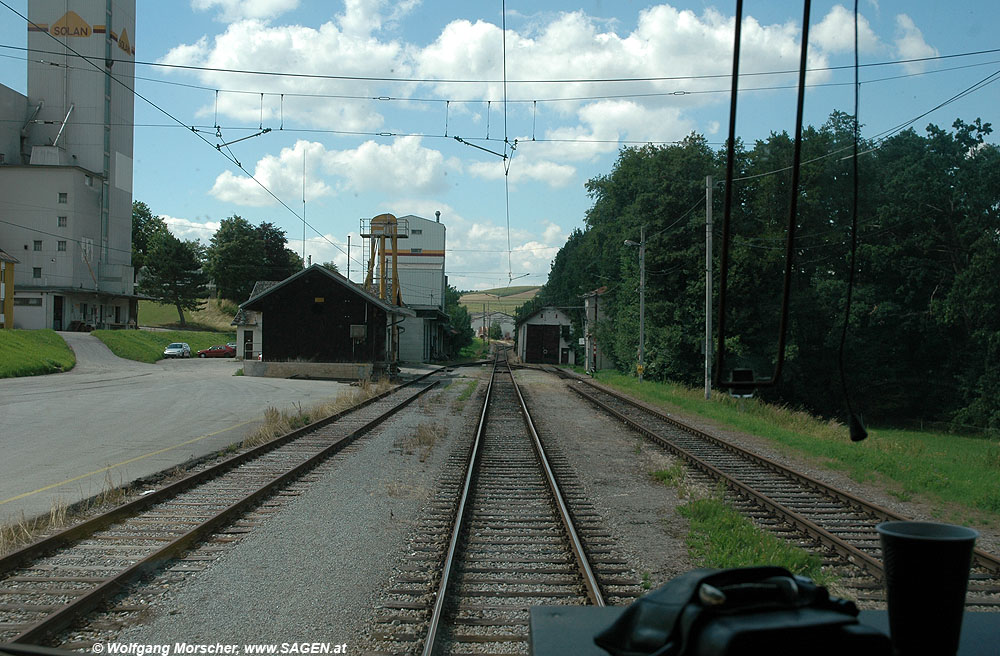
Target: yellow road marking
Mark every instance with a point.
(125, 462)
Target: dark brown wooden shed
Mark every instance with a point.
(318, 315)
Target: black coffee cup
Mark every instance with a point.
(926, 575)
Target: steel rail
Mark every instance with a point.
(589, 579)
(852, 553)
(76, 533)
(981, 558)
(434, 624)
(113, 586)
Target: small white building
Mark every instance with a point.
(482, 322)
(544, 338)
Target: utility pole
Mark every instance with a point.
(708, 287)
(642, 297)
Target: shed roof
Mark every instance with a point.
(4, 257)
(267, 290)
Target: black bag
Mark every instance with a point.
(753, 610)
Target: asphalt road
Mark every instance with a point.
(63, 436)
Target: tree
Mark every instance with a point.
(241, 254)
(145, 227)
(234, 258)
(173, 274)
(496, 331)
(331, 265)
(459, 318)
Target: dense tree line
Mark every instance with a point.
(923, 339)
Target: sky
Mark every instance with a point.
(410, 106)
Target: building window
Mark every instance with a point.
(63, 198)
(418, 231)
(61, 221)
(38, 244)
(416, 250)
(88, 180)
(36, 272)
(29, 302)
(60, 245)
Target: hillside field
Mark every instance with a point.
(504, 299)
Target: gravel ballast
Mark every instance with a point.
(307, 574)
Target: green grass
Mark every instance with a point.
(147, 345)
(33, 352)
(721, 537)
(477, 350)
(214, 315)
(957, 474)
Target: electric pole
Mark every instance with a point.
(642, 297)
(708, 287)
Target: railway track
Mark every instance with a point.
(838, 524)
(49, 585)
(499, 538)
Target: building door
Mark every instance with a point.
(248, 345)
(57, 313)
(542, 344)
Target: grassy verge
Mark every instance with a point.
(957, 474)
(33, 352)
(147, 346)
(477, 350)
(278, 422)
(721, 537)
(216, 314)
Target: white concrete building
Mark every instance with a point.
(422, 283)
(66, 168)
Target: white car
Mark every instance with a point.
(177, 350)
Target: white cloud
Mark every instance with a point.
(190, 230)
(910, 43)
(235, 10)
(281, 174)
(403, 166)
(835, 33)
(523, 169)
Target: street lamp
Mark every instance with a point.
(642, 295)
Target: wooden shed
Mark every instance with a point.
(319, 316)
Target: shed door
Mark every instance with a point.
(543, 344)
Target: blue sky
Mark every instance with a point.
(388, 145)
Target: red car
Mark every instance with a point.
(218, 351)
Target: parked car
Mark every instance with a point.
(218, 351)
(231, 345)
(177, 350)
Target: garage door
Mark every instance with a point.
(543, 344)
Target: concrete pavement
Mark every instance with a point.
(62, 436)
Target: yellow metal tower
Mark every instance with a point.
(378, 230)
